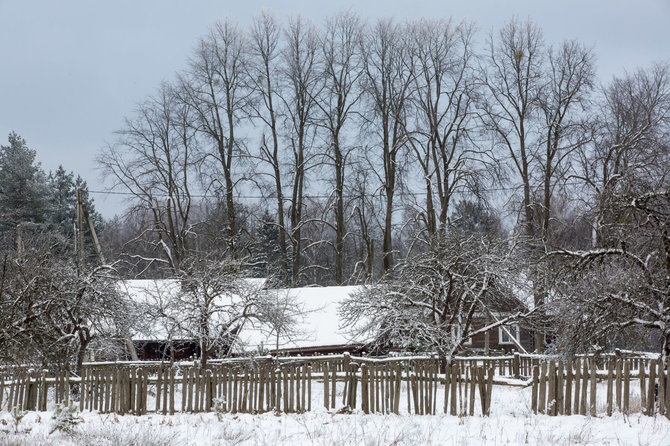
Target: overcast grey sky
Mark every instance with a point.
(70, 70)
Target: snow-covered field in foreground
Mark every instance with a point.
(321, 428)
(511, 424)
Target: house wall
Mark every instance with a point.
(160, 350)
(479, 340)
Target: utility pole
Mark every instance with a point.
(82, 213)
(94, 236)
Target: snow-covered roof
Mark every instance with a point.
(318, 326)
(315, 310)
(154, 297)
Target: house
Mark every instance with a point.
(316, 327)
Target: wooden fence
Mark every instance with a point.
(256, 385)
(569, 387)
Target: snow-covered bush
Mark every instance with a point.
(65, 418)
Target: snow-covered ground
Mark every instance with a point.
(511, 423)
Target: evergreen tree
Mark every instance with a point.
(473, 217)
(22, 189)
(63, 201)
(265, 248)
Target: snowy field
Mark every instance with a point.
(510, 424)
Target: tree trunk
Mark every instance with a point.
(81, 354)
(204, 353)
(339, 212)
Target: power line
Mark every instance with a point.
(261, 197)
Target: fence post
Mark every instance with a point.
(172, 391)
(643, 388)
(661, 387)
(276, 388)
(473, 381)
(593, 389)
(208, 390)
(454, 388)
(560, 410)
(184, 385)
(626, 387)
(489, 391)
(43, 393)
(619, 373)
(365, 395)
(414, 393)
(651, 389)
(159, 378)
(166, 389)
(585, 383)
(533, 399)
(447, 383)
(569, 377)
(396, 393)
(326, 399)
(610, 371)
(551, 393)
(481, 378)
(543, 388)
(138, 391)
(309, 388)
(333, 386)
(515, 365)
(109, 390)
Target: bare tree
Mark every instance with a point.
(53, 310)
(623, 280)
(264, 74)
(609, 289)
(215, 88)
(443, 93)
(363, 213)
(431, 301)
(340, 50)
(386, 82)
(154, 160)
(532, 105)
(563, 99)
(511, 78)
(207, 302)
(633, 119)
(301, 76)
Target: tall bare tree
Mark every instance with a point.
(386, 81)
(215, 88)
(264, 76)
(154, 159)
(564, 98)
(443, 93)
(340, 50)
(301, 77)
(632, 122)
(533, 103)
(511, 79)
